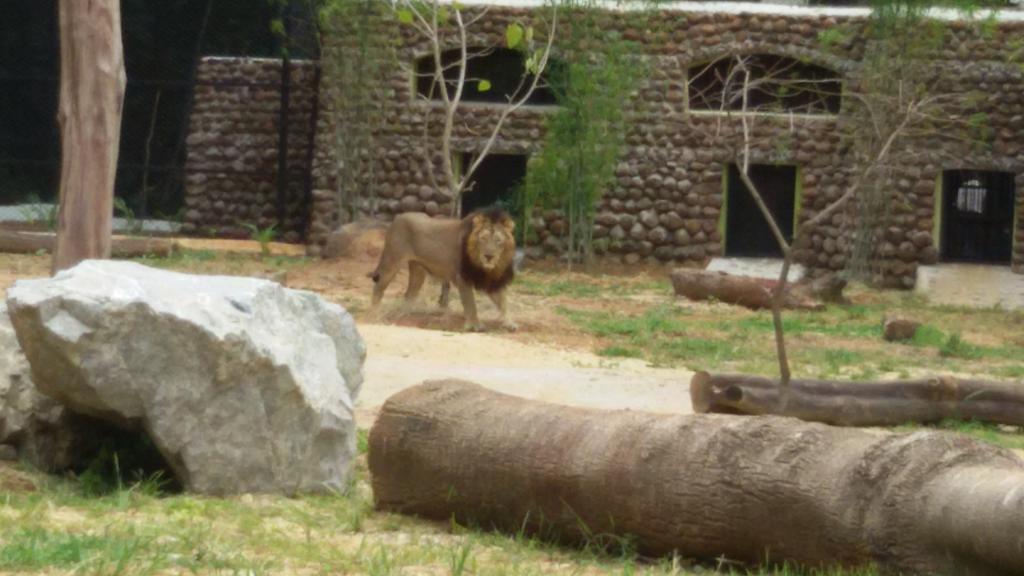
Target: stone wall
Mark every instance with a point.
(231, 170)
(667, 202)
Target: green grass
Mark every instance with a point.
(60, 528)
(619, 352)
(37, 548)
(839, 342)
(583, 287)
(1004, 436)
(662, 335)
(229, 263)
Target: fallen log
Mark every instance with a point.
(862, 403)
(705, 486)
(753, 293)
(17, 242)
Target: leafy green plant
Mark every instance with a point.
(956, 347)
(585, 137)
(264, 236)
(38, 212)
(458, 562)
(124, 211)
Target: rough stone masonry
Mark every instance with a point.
(668, 199)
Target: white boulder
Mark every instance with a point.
(37, 428)
(243, 385)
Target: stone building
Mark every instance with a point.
(677, 197)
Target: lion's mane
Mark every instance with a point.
(502, 274)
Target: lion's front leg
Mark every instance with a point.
(500, 299)
(472, 323)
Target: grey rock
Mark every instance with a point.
(37, 427)
(8, 453)
(638, 232)
(243, 385)
(649, 218)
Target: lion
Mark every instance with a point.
(474, 253)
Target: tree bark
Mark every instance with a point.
(122, 247)
(862, 403)
(753, 293)
(91, 99)
(706, 486)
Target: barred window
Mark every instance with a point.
(771, 83)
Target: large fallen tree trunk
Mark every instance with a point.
(121, 246)
(862, 403)
(753, 293)
(706, 486)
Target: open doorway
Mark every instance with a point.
(747, 233)
(494, 181)
(977, 216)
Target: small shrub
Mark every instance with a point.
(262, 235)
(124, 211)
(37, 212)
(956, 347)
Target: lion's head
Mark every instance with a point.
(488, 249)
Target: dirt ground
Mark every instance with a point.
(544, 359)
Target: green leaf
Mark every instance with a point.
(457, 6)
(532, 63)
(513, 35)
(529, 34)
(443, 15)
(483, 86)
(277, 27)
(405, 16)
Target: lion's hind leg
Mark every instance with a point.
(417, 275)
(381, 279)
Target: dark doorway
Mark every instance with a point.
(494, 181)
(977, 216)
(747, 231)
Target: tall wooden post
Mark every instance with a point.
(92, 86)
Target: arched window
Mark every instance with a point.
(771, 84)
(501, 67)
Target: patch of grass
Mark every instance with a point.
(810, 323)
(928, 336)
(619, 352)
(1011, 371)
(663, 335)
(37, 549)
(572, 289)
(229, 263)
(955, 347)
(580, 287)
(363, 441)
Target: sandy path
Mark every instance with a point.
(399, 357)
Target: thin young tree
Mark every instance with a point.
(597, 74)
(448, 25)
(92, 88)
(443, 25)
(892, 104)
